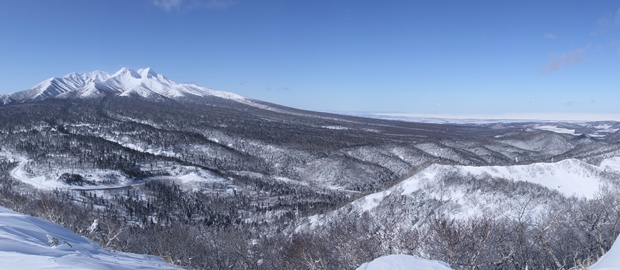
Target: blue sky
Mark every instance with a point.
(421, 57)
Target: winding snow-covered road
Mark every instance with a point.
(38, 181)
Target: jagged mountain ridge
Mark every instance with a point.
(144, 83)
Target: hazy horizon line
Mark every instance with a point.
(591, 117)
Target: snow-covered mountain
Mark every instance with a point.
(252, 185)
(144, 83)
(31, 243)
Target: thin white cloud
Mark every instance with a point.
(606, 23)
(550, 36)
(564, 61)
(170, 5)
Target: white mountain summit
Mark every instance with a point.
(125, 82)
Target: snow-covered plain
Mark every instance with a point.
(592, 125)
(491, 118)
(556, 129)
(32, 243)
(403, 262)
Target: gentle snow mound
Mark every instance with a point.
(403, 262)
(31, 243)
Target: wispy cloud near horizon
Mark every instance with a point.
(564, 61)
(178, 5)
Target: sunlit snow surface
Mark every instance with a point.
(570, 177)
(31, 243)
(403, 262)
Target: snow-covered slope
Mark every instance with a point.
(126, 82)
(31, 243)
(570, 177)
(403, 262)
(464, 192)
(611, 259)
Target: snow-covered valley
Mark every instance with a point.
(209, 179)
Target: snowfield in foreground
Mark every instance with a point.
(403, 262)
(31, 243)
(610, 261)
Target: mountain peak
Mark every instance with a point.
(147, 73)
(98, 75)
(145, 83)
(127, 72)
(73, 75)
